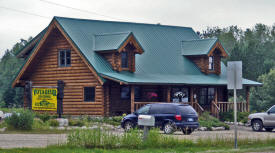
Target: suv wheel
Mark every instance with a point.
(168, 128)
(186, 131)
(269, 129)
(257, 125)
(128, 125)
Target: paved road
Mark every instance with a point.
(30, 140)
(43, 140)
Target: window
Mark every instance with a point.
(89, 94)
(64, 59)
(124, 59)
(143, 110)
(183, 90)
(272, 110)
(211, 63)
(125, 92)
(137, 93)
(186, 109)
(206, 96)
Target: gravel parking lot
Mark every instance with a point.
(30, 140)
(43, 140)
(243, 133)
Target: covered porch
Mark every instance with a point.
(214, 99)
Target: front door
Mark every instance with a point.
(206, 96)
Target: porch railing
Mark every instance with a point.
(227, 106)
(197, 107)
(217, 107)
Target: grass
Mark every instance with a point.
(133, 140)
(100, 140)
(68, 149)
(10, 110)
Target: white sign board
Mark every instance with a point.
(234, 75)
(146, 120)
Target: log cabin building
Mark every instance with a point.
(110, 68)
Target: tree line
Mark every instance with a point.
(255, 47)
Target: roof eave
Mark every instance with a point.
(30, 45)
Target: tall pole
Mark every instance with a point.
(235, 106)
(235, 117)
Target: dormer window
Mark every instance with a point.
(124, 59)
(211, 63)
(119, 49)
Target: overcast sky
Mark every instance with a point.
(198, 14)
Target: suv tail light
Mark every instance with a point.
(178, 117)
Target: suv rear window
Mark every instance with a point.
(186, 109)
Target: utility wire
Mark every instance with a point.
(20, 11)
(80, 10)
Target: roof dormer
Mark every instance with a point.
(119, 49)
(205, 53)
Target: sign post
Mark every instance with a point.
(60, 96)
(146, 121)
(234, 81)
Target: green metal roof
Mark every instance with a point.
(211, 79)
(110, 41)
(162, 61)
(198, 46)
(28, 47)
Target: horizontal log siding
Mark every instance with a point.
(44, 71)
(203, 62)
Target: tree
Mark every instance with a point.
(264, 97)
(8, 97)
(9, 66)
(255, 47)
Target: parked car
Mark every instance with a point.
(168, 116)
(266, 120)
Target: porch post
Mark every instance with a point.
(192, 96)
(247, 98)
(216, 95)
(132, 98)
(168, 94)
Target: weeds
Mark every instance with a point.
(98, 138)
(23, 120)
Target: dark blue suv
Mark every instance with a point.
(168, 116)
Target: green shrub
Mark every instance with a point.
(228, 116)
(53, 122)
(76, 122)
(39, 124)
(208, 121)
(43, 116)
(21, 121)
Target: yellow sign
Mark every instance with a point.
(44, 99)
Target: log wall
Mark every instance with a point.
(203, 62)
(44, 71)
